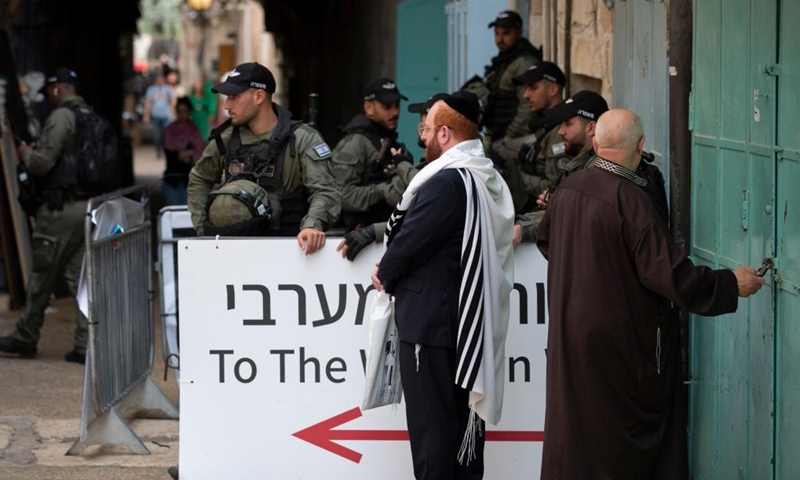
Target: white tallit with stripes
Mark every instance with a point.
(487, 260)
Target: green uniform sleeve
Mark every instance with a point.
(56, 135)
(352, 158)
(545, 164)
(529, 225)
(525, 187)
(404, 173)
(202, 178)
(520, 124)
(324, 197)
(380, 229)
(552, 152)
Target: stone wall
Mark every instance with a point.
(591, 40)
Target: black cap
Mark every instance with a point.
(244, 76)
(471, 97)
(465, 103)
(586, 104)
(507, 19)
(63, 75)
(543, 71)
(425, 106)
(383, 90)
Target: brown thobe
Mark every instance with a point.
(615, 407)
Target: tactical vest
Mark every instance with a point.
(501, 105)
(263, 163)
(528, 156)
(61, 182)
(383, 144)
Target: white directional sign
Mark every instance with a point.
(272, 367)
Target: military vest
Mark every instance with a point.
(61, 182)
(263, 163)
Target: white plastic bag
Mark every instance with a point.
(383, 386)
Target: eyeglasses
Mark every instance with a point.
(422, 128)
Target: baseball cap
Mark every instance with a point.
(465, 103)
(424, 107)
(507, 19)
(542, 71)
(244, 76)
(63, 75)
(383, 90)
(586, 104)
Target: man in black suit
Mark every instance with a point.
(458, 194)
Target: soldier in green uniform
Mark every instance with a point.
(528, 163)
(58, 233)
(262, 144)
(355, 240)
(505, 111)
(369, 156)
(577, 117)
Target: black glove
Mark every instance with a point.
(403, 156)
(357, 239)
(391, 169)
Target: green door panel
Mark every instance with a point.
(421, 60)
(732, 366)
(787, 284)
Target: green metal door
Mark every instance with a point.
(421, 60)
(745, 367)
(787, 281)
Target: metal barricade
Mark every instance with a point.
(174, 223)
(117, 275)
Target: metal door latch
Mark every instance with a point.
(766, 265)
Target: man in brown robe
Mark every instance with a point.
(615, 407)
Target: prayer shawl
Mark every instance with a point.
(487, 277)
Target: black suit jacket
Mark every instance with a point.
(422, 266)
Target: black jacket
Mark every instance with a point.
(422, 266)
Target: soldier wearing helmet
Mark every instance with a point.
(275, 173)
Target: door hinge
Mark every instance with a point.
(691, 111)
(773, 69)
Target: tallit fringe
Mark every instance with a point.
(470, 434)
(417, 349)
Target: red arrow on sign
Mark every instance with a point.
(322, 435)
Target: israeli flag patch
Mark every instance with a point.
(323, 150)
(558, 148)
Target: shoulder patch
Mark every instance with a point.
(557, 148)
(323, 150)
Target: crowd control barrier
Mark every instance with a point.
(116, 296)
(174, 223)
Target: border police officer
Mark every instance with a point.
(261, 143)
(58, 234)
(368, 157)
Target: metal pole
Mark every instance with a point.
(679, 58)
(679, 54)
